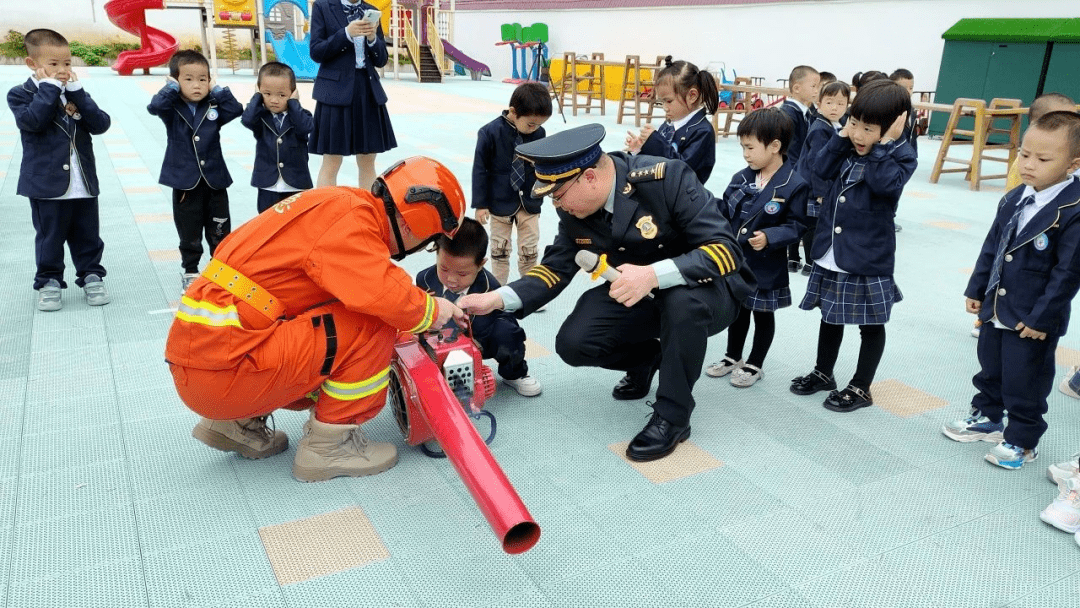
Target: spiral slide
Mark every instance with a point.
(157, 46)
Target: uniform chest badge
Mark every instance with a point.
(283, 206)
(1041, 241)
(646, 226)
(772, 207)
(211, 114)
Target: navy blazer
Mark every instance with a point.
(911, 134)
(857, 215)
(279, 153)
(193, 151)
(47, 141)
(428, 280)
(799, 127)
(778, 210)
(1041, 272)
(819, 134)
(662, 212)
(694, 143)
(335, 53)
(491, 170)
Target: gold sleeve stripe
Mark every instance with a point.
(721, 256)
(712, 255)
(547, 272)
(725, 254)
(428, 318)
(541, 276)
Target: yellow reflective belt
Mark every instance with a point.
(205, 313)
(351, 391)
(244, 288)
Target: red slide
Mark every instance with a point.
(157, 46)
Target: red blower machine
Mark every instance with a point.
(438, 383)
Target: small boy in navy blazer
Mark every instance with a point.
(803, 86)
(281, 128)
(194, 110)
(502, 183)
(829, 118)
(56, 118)
(459, 270)
(1022, 288)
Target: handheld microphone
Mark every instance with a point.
(597, 266)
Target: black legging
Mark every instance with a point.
(870, 351)
(764, 329)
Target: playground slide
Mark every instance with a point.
(295, 54)
(157, 46)
(476, 69)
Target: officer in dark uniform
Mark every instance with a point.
(681, 280)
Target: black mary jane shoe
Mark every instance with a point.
(813, 382)
(793, 266)
(637, 383)
(658, 439)
(848, 400)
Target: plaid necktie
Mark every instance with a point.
(736, 199)
(667, 131)
(353, 11)
(517, 167)
(1003, 244)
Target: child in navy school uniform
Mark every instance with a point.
(350, 104)
(828, 120)
(281, 128)
(855, 244)
(194, 110)
(459, 270)
(502, 183)
(56, 118)
(803, 85)
(906, 79)
(689, 96)
(1022, 288)
(766, 206)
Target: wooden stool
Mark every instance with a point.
(730, 111)
(594, 79)
(637, 90)
(565, 89)
(979, 134)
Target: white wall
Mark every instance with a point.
(767, 40)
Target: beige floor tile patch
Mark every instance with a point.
(142, 190)
(919, 194)
(688, 459)
(131, 170)
(164, 255)
(948, 225)
(902, 400)
(534, 350)
(1067, 357)
(321, 545)
(149, 218)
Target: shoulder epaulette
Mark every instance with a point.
(647, 174)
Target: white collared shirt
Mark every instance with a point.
(359, 42)
(1042, 199)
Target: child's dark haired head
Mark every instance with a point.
(682, 76)
(827, 77)
(767, 125)
(1049, 102)
(901, 74)
(880, 102)
(186, 57)
(35, 39)
(274, 68)
(835, 87)
(1068, 122)
(471, 240)
(531, 99)
(798, 73)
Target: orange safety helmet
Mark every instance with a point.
(426, 195)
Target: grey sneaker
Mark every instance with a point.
(94, 288)
(975, 427)
(49, 296)
(722, 367)
(746, 376)
(189, 278)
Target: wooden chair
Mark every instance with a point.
(979, 135)
(729, 112)
(637, 90)
(594, 81)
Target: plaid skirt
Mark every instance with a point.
(850, 299)
(768, 301)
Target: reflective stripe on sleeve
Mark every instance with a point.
(429, 316)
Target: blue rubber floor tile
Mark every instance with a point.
(571, 543)
(273, 497)
(1060, 594)
(80, 489)
(620, 583)
(722, 497)
(106, 584)
(222, 566)
(643, 520)
(379, 584)
(72, 410)
(182, 520)
(56, 450)
(80, 541)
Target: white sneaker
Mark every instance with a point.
(1064, 386)
(974, 332)
(1009, 456)
(526, 386)
(1064, 512)
(1061, 471)
(189, 278)
(49, 297)
(746, 376)
(723, 367)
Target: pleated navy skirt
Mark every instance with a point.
(361, 128)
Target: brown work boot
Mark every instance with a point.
(339, 450)
(249, 437)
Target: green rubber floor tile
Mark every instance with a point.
(786, 599)
(80, 541)
(445, 582)
(269, 597)
(274, 497)
(104, 585)
(186, 519)
(379, 584)
(620, 583)
(9, 492)
(68, 339)
(80, 489)
(152, 402)
(1060, 594)
(643, 520)
(72, 411)
(722, 497)
(57, 450)
(783, 472)
(204, 572)
(854, 459)
(570, 543)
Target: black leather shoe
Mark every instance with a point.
(811, 383)
(793, 266)
(636, 384)
(658, 439)
(848, 400)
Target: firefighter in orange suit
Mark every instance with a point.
(300, 308)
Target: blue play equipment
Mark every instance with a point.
(290, 51)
